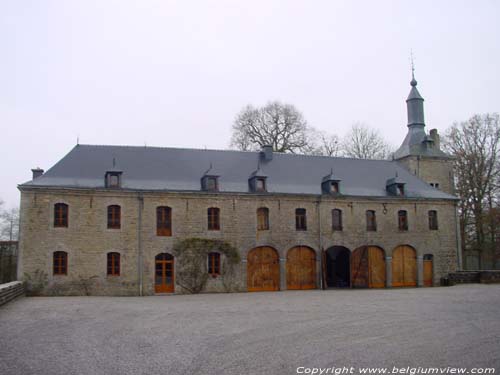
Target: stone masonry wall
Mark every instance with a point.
(87, 239)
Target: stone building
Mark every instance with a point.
(104, 219)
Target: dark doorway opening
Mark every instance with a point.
(338, 267)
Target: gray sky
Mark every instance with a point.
(175, 73)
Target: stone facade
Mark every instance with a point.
(87, 239)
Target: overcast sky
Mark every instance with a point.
(175, 73)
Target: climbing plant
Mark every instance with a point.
(191, 261)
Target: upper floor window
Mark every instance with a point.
(336, 219)
(214, 264)
(435, 185)
(114, 214)
(300, 219)
(113, 264)
(61, 215)
(60, 261)
(433, 220)
(263, 218)
(371, 221)
(213, 218)
(402, 220)
(163, 221)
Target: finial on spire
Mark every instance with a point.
(413, 80)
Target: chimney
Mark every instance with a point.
(435, 137)
(267, 152)
(37, 172)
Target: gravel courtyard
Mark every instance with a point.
(252, 333)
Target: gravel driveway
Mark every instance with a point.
(252, 333)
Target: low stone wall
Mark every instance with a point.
(10, 291)
(464, 277)
(489, 277)
(474, 277)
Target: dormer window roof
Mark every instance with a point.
(396, 186)
(257, 182)
(330, 184)
(210, 180)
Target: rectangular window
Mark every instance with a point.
(403, 220)
(114, 217)
(113, 265)
(433, 220)
(263, 218)
(371, 221)
(214, 264)
(163, 221)
(213, 218)
(337, 219)
(61, 215)
(300, 219)
(60, 263)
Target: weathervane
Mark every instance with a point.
(412, 65)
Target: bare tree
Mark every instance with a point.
(475, 145)
(277, 124)
(363, 142)
(322, 143)
(9, 223)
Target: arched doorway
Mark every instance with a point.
(338, 267)
(164, 273)
(301, 268)
(368, 267)
(404, 266)
(428, 270)
(263, 269)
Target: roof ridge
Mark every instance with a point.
(231, 150)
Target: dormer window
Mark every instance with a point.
(330, 184)
(395, 186)
(210, 183)
(401, 189)
(257, 182)
(334, 187)
(113, 179)
(260, 184)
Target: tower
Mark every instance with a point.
(420, 152)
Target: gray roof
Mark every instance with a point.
(176, 169)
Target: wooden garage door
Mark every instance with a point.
(368, 267)
(428, 271)
(404, 267)
(301, 268)
(263, 269)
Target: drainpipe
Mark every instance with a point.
(320, 244)
(457, 235)
(140, 205)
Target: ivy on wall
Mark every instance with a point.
(191, 262)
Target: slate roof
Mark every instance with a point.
(177, 169)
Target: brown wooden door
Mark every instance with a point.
(301, 268)
(428, 271)
(164, 273)
(263, 270)
(404, 267)
(368, 267)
